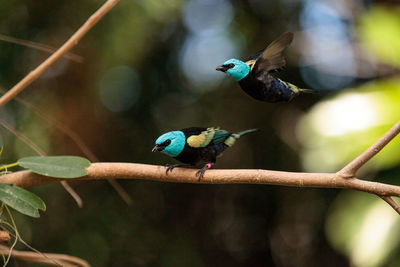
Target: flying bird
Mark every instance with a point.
(196, 145)
(253, 75)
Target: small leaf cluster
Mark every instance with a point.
(26, 202)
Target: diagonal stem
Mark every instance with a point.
(67, 46)
(22, 137)
(391, 202)
(38, 46)
(351, 169)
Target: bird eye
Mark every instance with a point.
(167, 142)
(231, 65)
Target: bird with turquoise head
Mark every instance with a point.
(254, 74)
(196, 145)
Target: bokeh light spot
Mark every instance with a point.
(119, 88)
(328, 58)
(348, 113)
(200, 16)
(201, 55)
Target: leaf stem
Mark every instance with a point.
(5, 167)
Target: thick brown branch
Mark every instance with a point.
(351, 169)
(100, 171)
(67, 46)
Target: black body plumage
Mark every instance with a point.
(194, 155)
(266, 88)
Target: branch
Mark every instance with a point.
(22, 137)
(67, 46)
(41, 47)
(32, 76)
(100, 171)
(391, 202)
(49, 259)
(351, 169)
(32, 145)
(79, 143)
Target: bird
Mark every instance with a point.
(253, 74)
(196, 145)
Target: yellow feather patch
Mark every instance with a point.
(293, 87)
(203, 139)
(231, 140)
(250, 63)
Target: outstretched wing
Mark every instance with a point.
(271, 58)
(253, 58)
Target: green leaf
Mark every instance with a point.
(21, 200)
(56, 166)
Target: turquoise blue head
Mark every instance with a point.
(171, 143)
(235, 68)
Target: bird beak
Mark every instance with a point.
(222, 68)
(157, 148)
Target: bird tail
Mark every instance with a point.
(232, 139)
(307, 91)
(245, 132)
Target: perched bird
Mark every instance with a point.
(254, 76)
(195, 145)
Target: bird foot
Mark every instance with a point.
(173, 166)
(201, 172)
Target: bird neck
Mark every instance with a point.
(239, 76)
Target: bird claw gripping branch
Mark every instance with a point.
(200, 173)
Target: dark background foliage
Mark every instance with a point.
(149, 67)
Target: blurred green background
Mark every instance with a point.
(149, 67)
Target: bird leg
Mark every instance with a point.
(201, 172)
(173, 166)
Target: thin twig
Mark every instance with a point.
(61, 127)
(72, 193)
(38, 46)
(351, 169)
(65, 260)
(391, 202)
(14, 227)
(17, 237)
(121, 191)
(67, 46)
(22, 137)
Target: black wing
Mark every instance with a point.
(255, 56)
(271, 58)
(193, 131)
